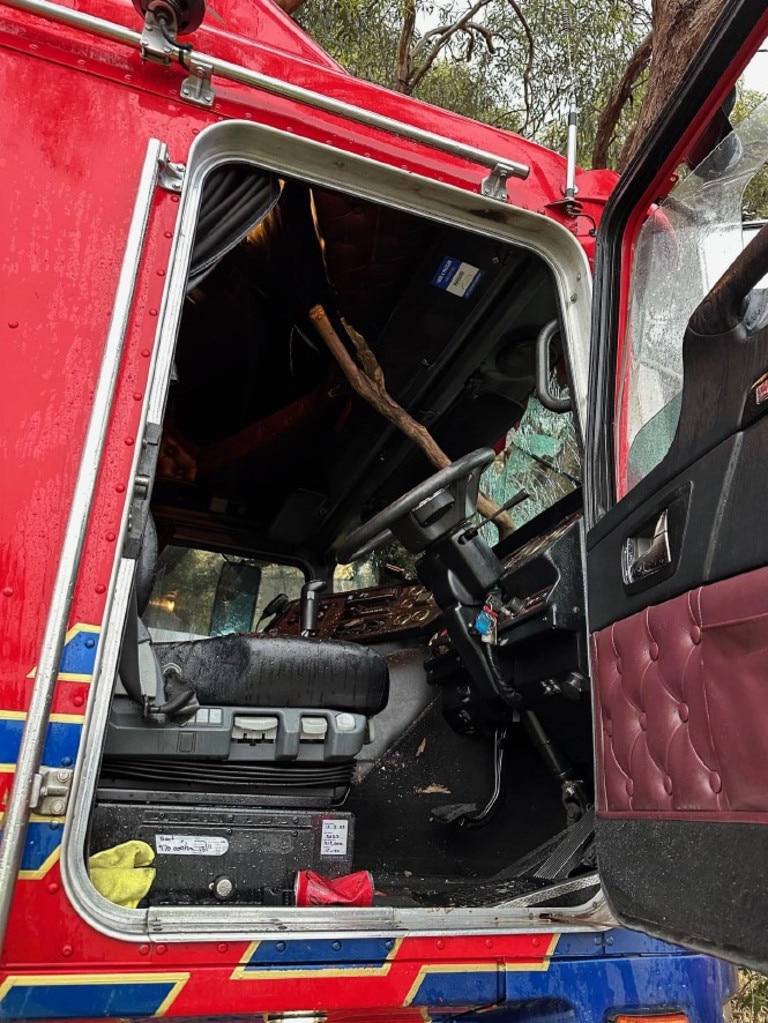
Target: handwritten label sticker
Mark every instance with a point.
(333, 838)
(191, 845)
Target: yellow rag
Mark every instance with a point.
(123, 874)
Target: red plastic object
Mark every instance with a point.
(350, 890)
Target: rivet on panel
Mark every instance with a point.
(90, 643)
(174, 198)
(489, 942)
(130, 441)
(161, 273)
(145, 353)
(137, 395)
(110, 537)
(534, 941)
(78, 700)
(222, 947)
(53, 888)
(143, 950)
(7, 591)
(161, 949)
(153, 312)
(167, 234)
(13, 324)
(440, 943)
(67, 950)
(120, 488)
(101, 588)
(280, 946)
(336, 946)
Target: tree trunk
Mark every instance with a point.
(289, 6)
(679, 28)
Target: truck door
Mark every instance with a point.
(677, 543)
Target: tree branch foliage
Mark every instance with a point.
(516, 63)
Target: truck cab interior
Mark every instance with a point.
(324, 636)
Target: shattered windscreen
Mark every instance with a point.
(540, 457)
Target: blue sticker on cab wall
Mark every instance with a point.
(457, 277)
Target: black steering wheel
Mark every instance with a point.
(427, 512)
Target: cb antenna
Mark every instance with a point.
(570, 151)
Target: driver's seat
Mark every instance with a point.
(274, 716)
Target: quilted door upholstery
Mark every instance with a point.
(682, 703)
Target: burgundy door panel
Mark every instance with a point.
(681, 697)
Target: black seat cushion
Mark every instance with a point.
(281, 671)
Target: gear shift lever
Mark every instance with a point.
(310, 606)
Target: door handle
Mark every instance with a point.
(648, 552)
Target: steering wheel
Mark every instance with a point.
(427, 512)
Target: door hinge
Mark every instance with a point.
(142, 489)
(495, 185)
(50, 791)
(171, 176)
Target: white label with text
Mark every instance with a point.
(333, 838)
(191, 845)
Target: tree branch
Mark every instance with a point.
(528, 71)
(443, 37)
(404, 56)
(617, 100)
(370, 385)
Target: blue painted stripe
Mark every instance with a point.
(612, 943)
(320, 953)
(61, 742)
(467, 988)
(43, 838)
(83, 1001)
(589, 989)
(79, 654)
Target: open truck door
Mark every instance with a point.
(677, 548)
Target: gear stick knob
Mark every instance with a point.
(310, 606)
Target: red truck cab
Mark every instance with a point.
(218, 697)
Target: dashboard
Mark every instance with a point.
(366, 616)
